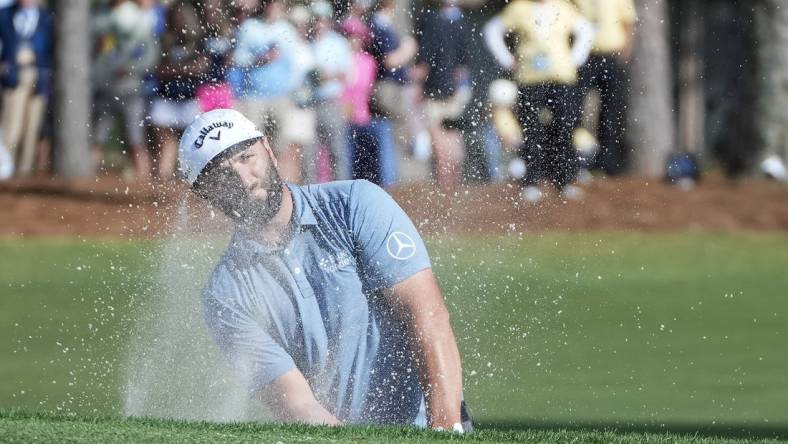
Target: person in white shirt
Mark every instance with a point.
(333, 61)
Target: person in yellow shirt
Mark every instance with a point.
(552, 39)
(606, 72)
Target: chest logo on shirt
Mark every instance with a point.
(400, 246)
(331, 264)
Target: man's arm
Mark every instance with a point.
(495, 39)
(583, 32)
(292, 400)
(418, 301)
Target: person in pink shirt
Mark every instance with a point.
(355, 99)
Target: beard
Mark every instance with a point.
(247, 212)
(255, 212)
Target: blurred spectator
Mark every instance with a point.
(332, 62)
(605, 71)
(355, 98)
(359, 9)
(545, 69)
(26, 68)
(216, 92)
(774, 167)
(6, 162)
(182, 68)
(394, 55)
(266, 63)
(118, 77)
(503, 136)
(304, 60)
(446, 89)
(156, 14)
(43, 157)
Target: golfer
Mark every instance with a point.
(324, 300)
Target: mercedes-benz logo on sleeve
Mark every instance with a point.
(400, 246)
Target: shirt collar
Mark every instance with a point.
(303, 214)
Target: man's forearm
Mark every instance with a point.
(419, 303)
(307, 413)
(291, 400)
(440, 369)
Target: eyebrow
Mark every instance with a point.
(215, 165)
(241, 152)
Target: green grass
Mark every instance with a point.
(42, 427)
(658, 332)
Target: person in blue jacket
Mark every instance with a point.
(26, 59)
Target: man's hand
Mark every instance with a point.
(418, 301)
(292, 400)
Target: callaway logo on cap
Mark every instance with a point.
(207, 130)
(209, 135)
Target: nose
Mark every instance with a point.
(247, 176)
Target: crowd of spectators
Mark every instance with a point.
(343, 95)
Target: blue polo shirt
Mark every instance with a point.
(315, 303)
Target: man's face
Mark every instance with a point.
(246, 186)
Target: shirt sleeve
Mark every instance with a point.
(583, 32)
(388, 246)
(251, 349)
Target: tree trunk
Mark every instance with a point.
(652, 127)
(771, 24)
(72, 89)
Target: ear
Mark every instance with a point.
(271, 155)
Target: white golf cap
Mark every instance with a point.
(209, 135)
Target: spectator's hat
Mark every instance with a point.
(211, 134)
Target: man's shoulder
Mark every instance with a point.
(344, 198)
(339, 190)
